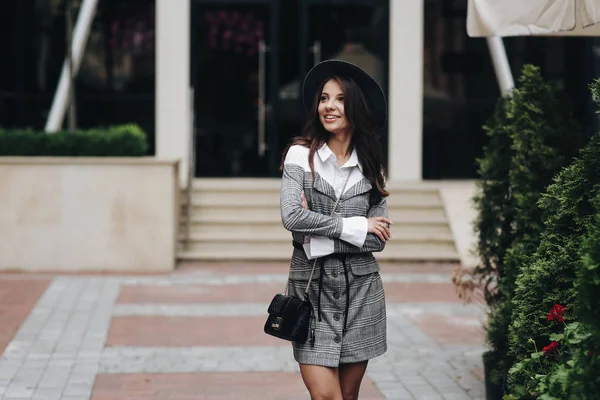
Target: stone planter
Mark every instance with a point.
(493, 391)
(81, 214)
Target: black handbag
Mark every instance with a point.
(289, 316)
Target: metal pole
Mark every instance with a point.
(501, 65)
(80, 36)
(189, 191)
(71, 98)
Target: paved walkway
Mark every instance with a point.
(197, 334)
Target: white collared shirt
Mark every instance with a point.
(354, 229)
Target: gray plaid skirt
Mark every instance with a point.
(349, 322)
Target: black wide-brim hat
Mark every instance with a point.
(371, 90)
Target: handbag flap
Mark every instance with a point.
(284, 304)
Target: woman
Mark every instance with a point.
(338, 157)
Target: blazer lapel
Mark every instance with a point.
(360, 187)
(322, 186)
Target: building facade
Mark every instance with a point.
(228, 73)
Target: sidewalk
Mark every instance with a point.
(197, 334)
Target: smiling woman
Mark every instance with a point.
(333, 200)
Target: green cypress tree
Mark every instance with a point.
(584, 379)
(494, 204)
(539, 137)
(568, 212)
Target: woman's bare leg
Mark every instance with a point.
(323, 383)
(351, 376)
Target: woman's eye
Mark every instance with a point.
(323, 98)
(341, 99)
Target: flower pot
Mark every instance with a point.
(493, 391)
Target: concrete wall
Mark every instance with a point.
(457, 198)
(88, 214)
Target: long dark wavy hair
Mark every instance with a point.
(365, 138)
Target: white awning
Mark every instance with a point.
(533, 17)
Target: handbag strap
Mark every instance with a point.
(332, 212)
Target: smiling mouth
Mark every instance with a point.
(330, 118)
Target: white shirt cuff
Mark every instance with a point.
(321, 246)
(306, 247)
(354, 230)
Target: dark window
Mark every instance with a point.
(461, 89)
(115, 83)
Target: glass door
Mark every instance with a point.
(249, 59)
(356, 31)
(233, 74)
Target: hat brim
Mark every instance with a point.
(373, 93)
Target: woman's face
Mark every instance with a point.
(331, 108)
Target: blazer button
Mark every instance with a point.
(336, 317)
(337, 339)
(336, 295)
(334, 274)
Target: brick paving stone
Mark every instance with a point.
(451, 329)
(420, 292)
(17, 298)
(186, 294)
(206, 386)
(178, 331)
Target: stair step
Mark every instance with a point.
(277, 228)
(245, 251)
(250, 200)
(271, 215)
(216, 233)
(274, 184)
(266, 246)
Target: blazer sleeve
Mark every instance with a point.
(372, 242)
(294, 217)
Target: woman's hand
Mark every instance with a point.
(381, 227)
(303, 201)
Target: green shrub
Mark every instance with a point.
(588, 279)
(571, 371)
(545, 138)
(583, 379)
(494, 204)
(534, 136)
(568, 210)
(117, 141)
(585, 375)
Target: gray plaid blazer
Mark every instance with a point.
(321, 199)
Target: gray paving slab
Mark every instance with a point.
(74, 313)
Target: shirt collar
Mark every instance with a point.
(325, 154)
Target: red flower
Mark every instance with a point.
(556, 313)
(550, 348)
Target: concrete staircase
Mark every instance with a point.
(239, 219)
